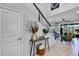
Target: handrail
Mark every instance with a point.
(41, 14)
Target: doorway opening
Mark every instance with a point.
(69, 31)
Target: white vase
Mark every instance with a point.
(34, 37)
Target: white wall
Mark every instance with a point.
(0, 50)
(29, 14)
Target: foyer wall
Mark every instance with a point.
(29, 14)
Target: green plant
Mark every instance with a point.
(45, 30)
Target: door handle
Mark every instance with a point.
(19, 38)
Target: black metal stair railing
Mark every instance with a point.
(40, 13)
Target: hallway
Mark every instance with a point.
(17, 19)
(64, 48)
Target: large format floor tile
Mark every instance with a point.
(64, 48)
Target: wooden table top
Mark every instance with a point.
(39, 39)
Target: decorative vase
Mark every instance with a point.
(34, 30)
(34, 36)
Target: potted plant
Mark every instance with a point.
(45, 31)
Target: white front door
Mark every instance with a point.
(10, 33)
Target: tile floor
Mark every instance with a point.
(64, 48)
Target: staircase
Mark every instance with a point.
(47, 22)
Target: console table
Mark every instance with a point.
(33, 45)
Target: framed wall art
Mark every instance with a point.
(54, 6)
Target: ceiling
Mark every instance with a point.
(66, 11)
(70, 15)
(46, 8)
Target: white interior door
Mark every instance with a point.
(10, 33)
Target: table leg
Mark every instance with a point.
(31, 48)
(48, 44)
(45, 43)
(34, 49)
